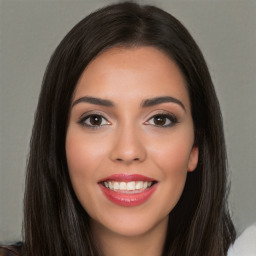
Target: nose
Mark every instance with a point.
(128, 146)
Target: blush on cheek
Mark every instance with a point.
(174, 158)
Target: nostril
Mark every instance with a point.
(120, 159)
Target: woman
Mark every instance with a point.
(127, 151)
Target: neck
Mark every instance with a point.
(149, 243)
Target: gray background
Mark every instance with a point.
(30, 31)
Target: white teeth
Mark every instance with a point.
(127, 186)
(139, 185)
(130, 185)
(110, 185)
(122, 186)
(116, 185)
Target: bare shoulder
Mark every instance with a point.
(11, 250)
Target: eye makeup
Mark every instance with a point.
(162, 120)
(96, 120)
(93, 120)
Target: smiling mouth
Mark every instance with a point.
(128, 190)
(131, 187)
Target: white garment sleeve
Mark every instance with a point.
(245, 244)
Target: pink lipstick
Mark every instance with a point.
(128, 190)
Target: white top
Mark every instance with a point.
(245, 244)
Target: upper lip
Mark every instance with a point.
(127, 177)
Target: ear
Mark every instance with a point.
(193, 159)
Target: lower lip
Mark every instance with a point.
(128, 199)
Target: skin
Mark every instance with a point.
(130, 140)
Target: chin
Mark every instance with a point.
(130, 222)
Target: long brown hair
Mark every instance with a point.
(55, 224)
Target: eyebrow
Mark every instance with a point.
(144, 104)
(160, 100)
(95, 101)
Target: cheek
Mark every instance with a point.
(83, 153)
(171, 157)
(77, 155)
(172, 154)
(173, 164)
(174, 174)
(81, 159)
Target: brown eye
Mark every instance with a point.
(93, 121)
(163, 120)
(160, 120)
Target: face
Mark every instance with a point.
(130, 139)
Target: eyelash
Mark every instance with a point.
(172, 119)
(83, 119)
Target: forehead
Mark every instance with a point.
(141, 72)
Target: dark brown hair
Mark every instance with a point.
(55, 224)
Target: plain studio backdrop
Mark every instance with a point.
(31, 30)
